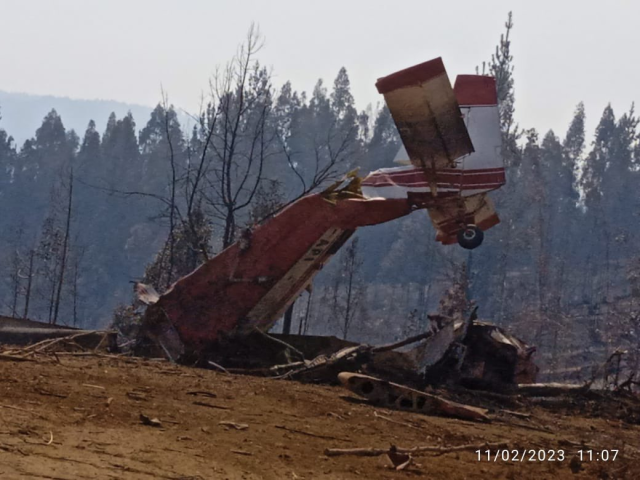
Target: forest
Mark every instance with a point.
(149, 199)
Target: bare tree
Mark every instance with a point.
(30, 275)
(194, 178)
(328, 162)
(15, 276)
(243, 137)
(348, 288)
(15, 268)
(77, 261)
(182, 202)
(65, 248)
(172, 186)
(15, 280)
(48, 256)
(320, 153)
(303, 327)
(269, 199)
(225, 157)
(185, 259)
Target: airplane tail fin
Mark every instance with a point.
(478, 101)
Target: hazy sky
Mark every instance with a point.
(565, 51)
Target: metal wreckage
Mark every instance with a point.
(450, 159)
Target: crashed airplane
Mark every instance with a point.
(449, 161)
(451, 146)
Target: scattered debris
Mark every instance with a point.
(146, 293)
(217, 367)
(400, 461)
(575, 465)
(151, 422)
(211, 405)
(99, 387)
(550, 389)
(138, 396)
(376, 452)
(396, 396)
(305, 412)
(13, 407)
(38, 337)
(391, 420)
(476, 354)
(242, 452)
(50, 394)
(309, 434)
(14, 358)
(237, 426)
(202, 393)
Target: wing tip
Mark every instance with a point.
(411, 76)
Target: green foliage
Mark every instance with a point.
(8, 157)
(384, 142)
(501, 67)
(575, 139)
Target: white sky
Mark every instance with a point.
(565, 50)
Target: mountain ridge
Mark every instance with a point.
(22, 113)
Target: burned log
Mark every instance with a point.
(393, 395)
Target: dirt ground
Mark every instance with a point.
(81, 419)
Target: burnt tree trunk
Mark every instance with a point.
(288, 315)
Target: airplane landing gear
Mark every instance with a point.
(470, 237)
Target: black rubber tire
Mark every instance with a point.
(470, 237)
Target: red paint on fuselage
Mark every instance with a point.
(218, 295)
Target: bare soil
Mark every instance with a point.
(80, 418)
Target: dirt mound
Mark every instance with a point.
(81, 418)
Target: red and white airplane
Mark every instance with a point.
(451, 149)
(450, 160)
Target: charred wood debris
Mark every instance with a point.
(461, 367)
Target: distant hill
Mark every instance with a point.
(22, 113)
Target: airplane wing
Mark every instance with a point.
(426, 113)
